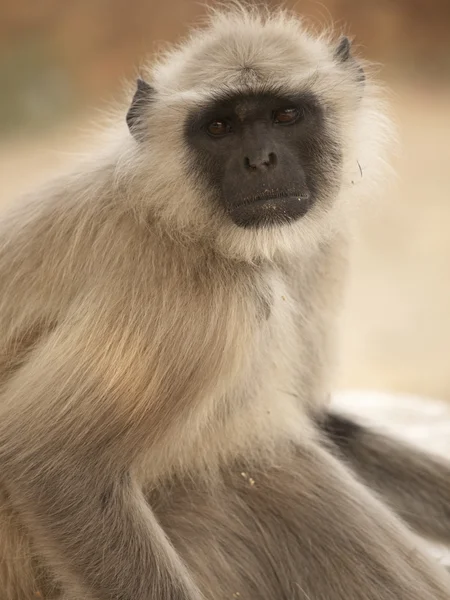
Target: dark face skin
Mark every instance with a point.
(268, 157)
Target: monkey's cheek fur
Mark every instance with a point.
(271, 212)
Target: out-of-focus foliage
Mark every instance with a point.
(56, 54)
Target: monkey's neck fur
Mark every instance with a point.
(268, 331)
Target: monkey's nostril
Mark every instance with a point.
(272, 159)
(253, 165)
(248, 164)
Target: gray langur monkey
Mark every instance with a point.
(167, 314)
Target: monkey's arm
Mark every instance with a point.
(416, 485)
(74, 421)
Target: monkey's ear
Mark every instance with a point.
(143, 95)
(342, 52)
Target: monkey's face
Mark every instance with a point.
(254, 136)
(266, 157)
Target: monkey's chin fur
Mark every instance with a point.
(267, 212)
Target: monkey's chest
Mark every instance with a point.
(242, 538)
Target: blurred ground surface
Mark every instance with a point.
(396, 326)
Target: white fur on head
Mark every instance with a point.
(249, 49)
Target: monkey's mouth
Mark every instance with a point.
(269, 209)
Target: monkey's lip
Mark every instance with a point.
(270, 210)
(271, 197)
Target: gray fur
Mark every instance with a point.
(414, 484)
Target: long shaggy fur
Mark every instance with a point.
(159, 366)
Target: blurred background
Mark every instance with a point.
(63, 61)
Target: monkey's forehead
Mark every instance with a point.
(329, 88)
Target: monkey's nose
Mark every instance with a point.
(260, 161)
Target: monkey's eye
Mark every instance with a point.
(286, 116)
(218, 128)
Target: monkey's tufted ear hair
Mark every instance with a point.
(343, 54)
(143, 95)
